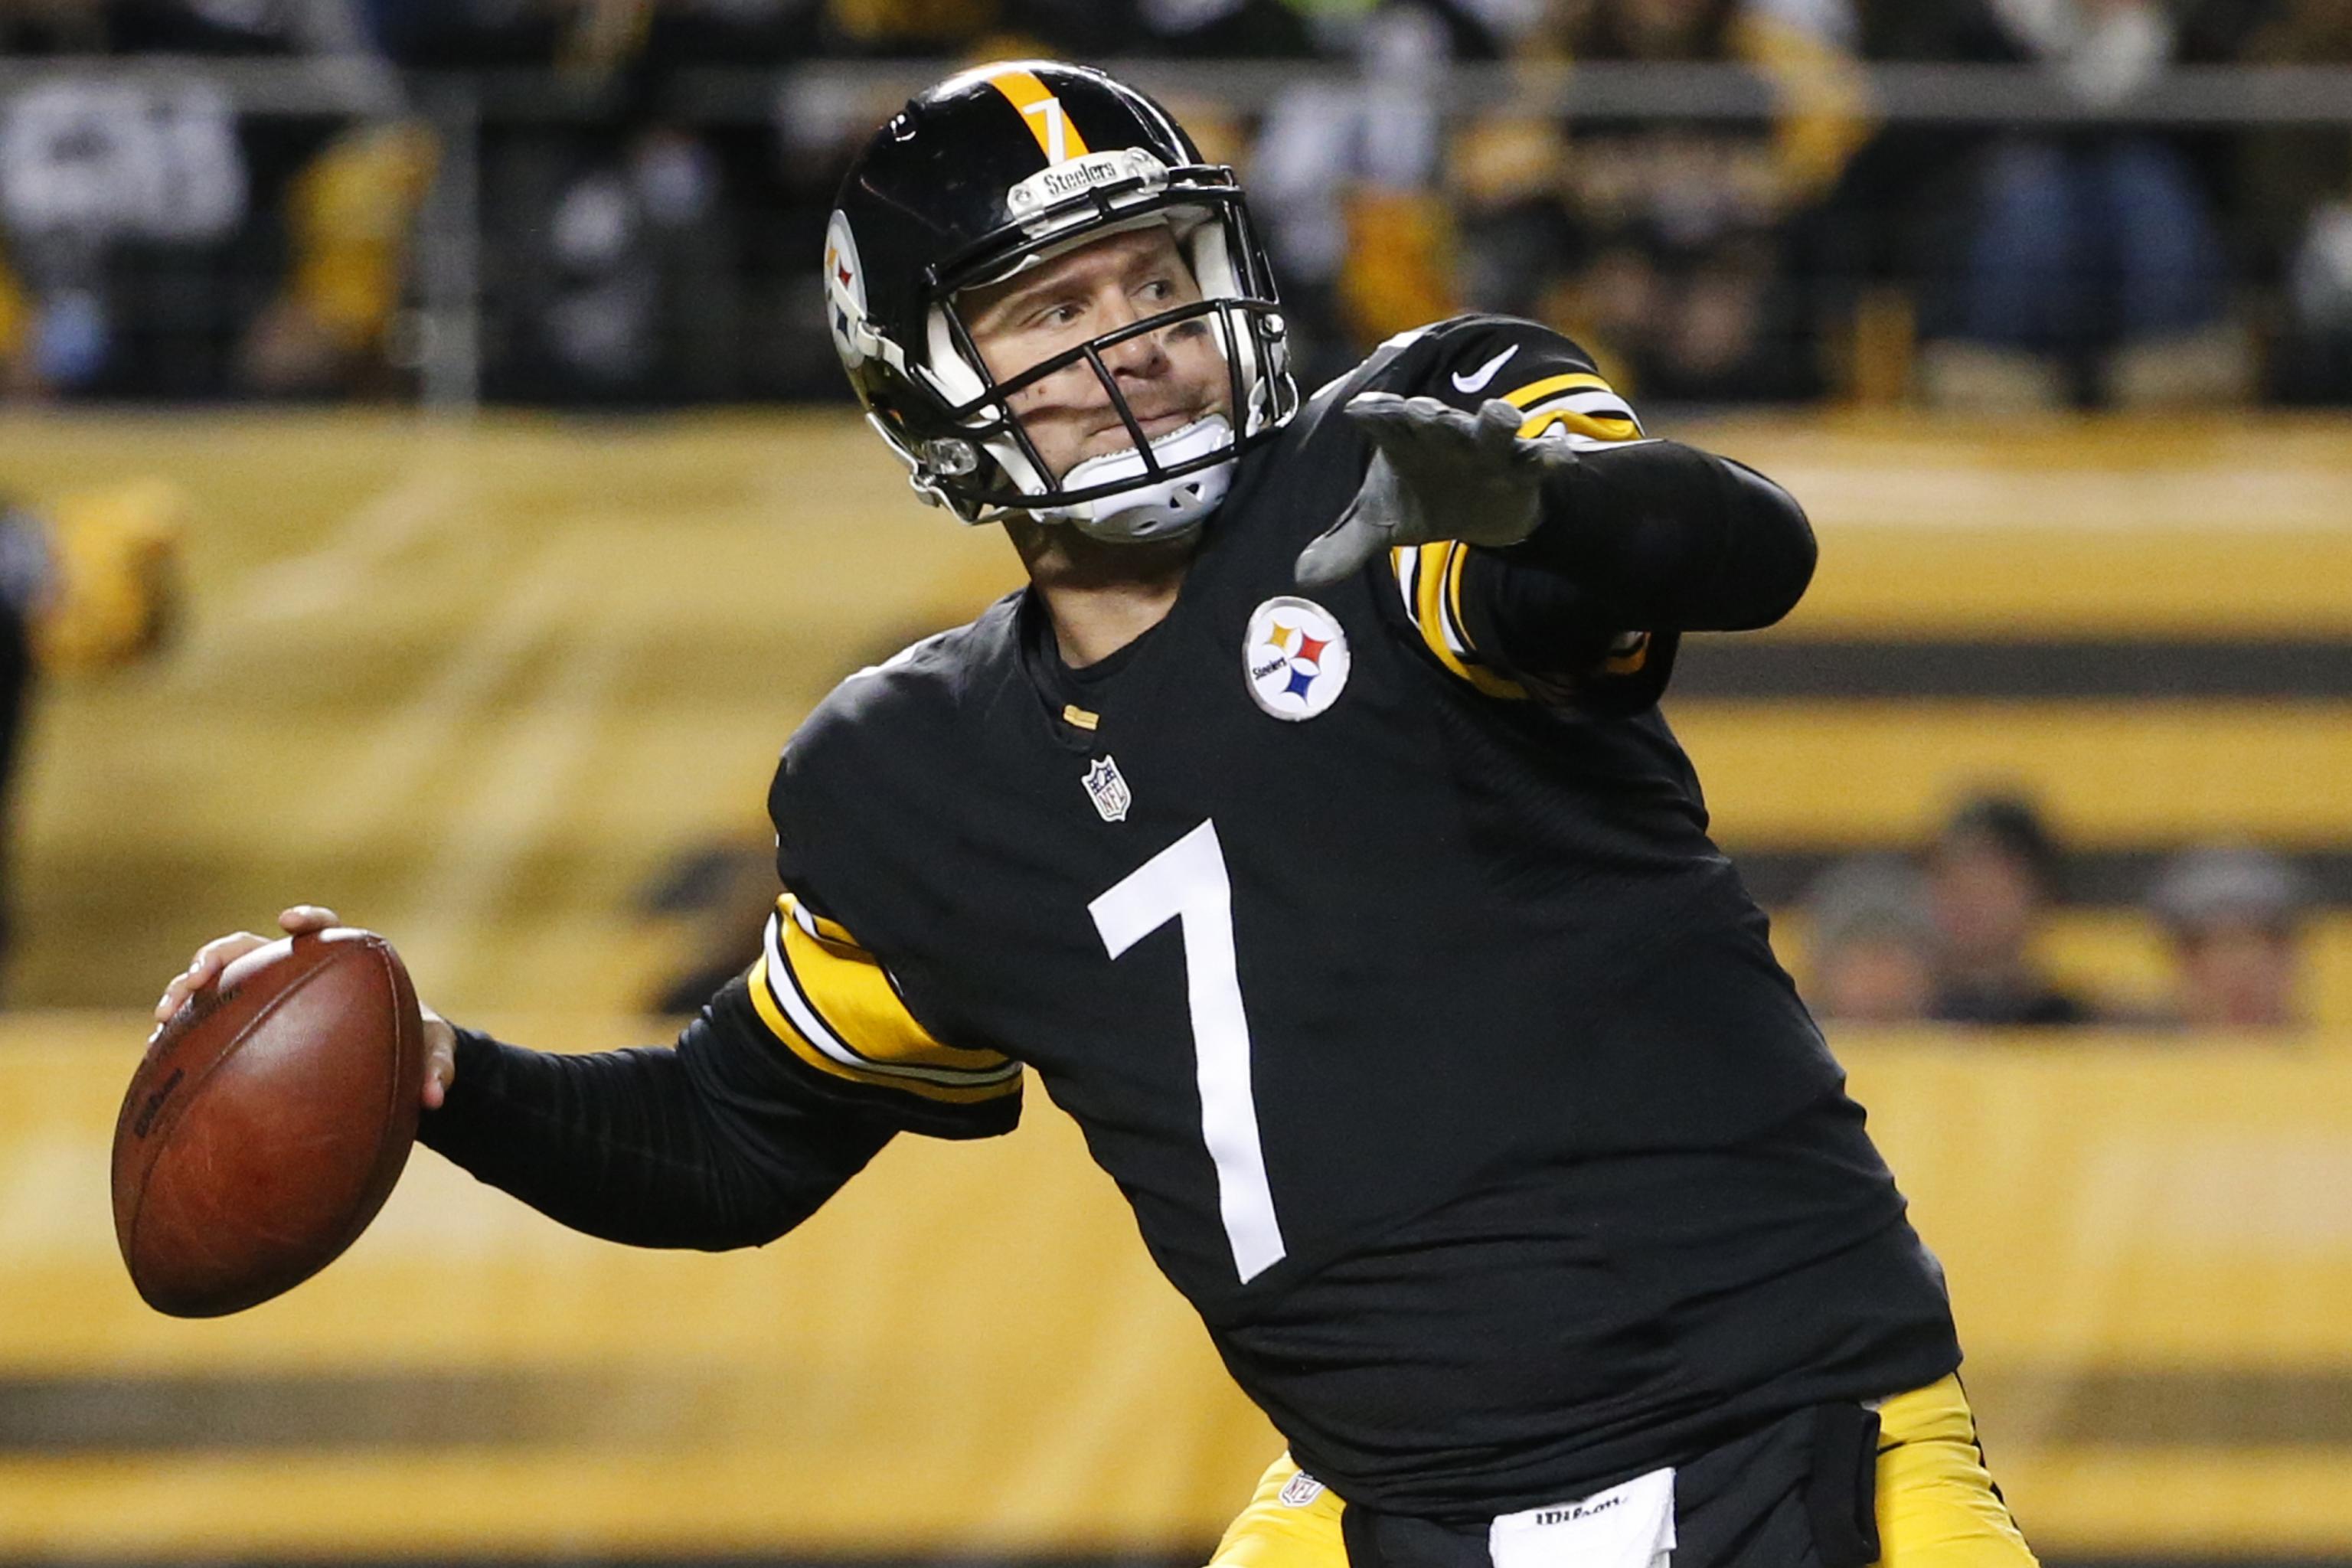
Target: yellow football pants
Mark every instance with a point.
(1936, 1508)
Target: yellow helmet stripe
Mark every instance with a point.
(1056, 137)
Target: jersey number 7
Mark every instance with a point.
(1186, 882)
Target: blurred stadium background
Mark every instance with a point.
(429, 490)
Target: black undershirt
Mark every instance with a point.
(714, 1143)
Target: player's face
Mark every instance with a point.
(1169, 378)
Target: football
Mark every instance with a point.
(268, 1123)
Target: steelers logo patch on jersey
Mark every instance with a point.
(1294, 657)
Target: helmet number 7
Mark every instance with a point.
(1186, 882)
(1049, 111)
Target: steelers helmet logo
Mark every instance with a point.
(1294, 657)
(844, 291)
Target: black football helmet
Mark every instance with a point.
(989, 172)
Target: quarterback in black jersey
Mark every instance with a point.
(1309, 826)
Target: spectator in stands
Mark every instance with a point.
(139, 214)
(1660, 243)
(2234, 915)
(1991, 876)
(1871, 943)
(1344, 180)
(2094, 267)
(619, 280)
(349, 218)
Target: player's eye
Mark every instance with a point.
(1059, 315)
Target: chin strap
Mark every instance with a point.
(1151, 511)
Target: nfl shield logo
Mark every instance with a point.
(1109, 790)
(1300, 1490)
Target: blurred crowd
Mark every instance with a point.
(158, 241)
(1958, 934)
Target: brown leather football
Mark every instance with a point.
(268, 1123)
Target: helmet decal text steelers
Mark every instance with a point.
(1294, 657)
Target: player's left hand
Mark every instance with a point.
(1436, 473)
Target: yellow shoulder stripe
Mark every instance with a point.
(834, 1005)
(1056, 137)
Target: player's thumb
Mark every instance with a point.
(440, 1059)
(1340, 550)
(1497, 427)
(1367, 526)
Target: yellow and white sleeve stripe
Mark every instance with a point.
(1428, 576)
(833, 1004)
(1579, 406)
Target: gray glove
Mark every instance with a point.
(1438, 473)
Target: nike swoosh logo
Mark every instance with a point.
(1477, 379)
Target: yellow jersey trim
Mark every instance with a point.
(1430, 578)
(1526, 396)
(834, 1005)
(764, 1003)
(1597, 427)
(1579, 402)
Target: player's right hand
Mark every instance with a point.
(204, 970)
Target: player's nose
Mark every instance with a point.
(1143, 355)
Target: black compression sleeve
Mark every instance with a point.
(1657, 536)
(711, 1145)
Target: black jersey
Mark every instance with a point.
(1441, 1054)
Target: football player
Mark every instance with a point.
(1309, 826)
